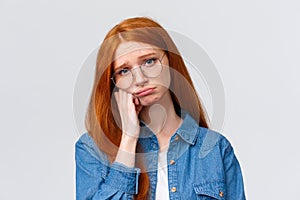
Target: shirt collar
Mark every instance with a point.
(187, 130)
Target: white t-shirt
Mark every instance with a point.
(162, 187)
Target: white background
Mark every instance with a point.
(254, 44)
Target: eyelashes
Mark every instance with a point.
(149, 62)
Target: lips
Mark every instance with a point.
(144, 92)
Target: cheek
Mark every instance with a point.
(164, 79)
(129, 90)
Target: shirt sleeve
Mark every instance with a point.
(95, 180)
(233, 174)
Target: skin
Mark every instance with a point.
(155, 109)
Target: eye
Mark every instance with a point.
(150, 62)
(122, 72)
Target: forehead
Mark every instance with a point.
(129, 49)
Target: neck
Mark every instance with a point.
(162, 119)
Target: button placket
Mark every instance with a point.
(173, 189)
(172, 171)
(221, 193)
(172, 162)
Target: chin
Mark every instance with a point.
(148, 100)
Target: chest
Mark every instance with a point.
(188, 175)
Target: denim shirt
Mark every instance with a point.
(201, 165)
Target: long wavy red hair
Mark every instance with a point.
(101, 124)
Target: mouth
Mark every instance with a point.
(144, 92)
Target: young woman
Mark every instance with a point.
(147, 133)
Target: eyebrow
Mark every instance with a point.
(140, 57)
(147, 55)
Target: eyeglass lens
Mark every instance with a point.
(151, 68)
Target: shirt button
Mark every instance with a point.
(173, 189)
(176, 138)
(172, 162)
(221, 193)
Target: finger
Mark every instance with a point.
(122, 97)
(136, 101)
(116, 94)
(139, 108)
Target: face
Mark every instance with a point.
(143, 71)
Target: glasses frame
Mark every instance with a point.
(139, 67)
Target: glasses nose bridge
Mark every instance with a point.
(138, 76)
(135, 68)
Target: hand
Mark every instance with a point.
(129, 109)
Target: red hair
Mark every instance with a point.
(101, 124)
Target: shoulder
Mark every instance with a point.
(204, 138)
(209, 139)
(85, 141)
(86, 148)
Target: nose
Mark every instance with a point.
(139, 77)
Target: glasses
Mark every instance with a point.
(150, 68)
